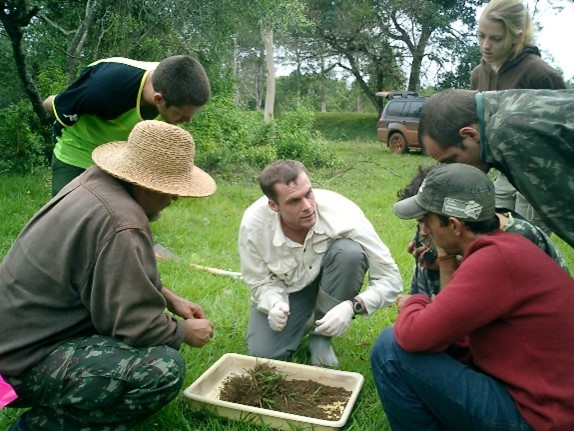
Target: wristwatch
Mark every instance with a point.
(358, 307)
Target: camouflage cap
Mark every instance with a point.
(452, 190)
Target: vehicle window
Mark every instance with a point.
(395, 109)
(415, 109)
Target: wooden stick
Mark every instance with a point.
(163, 253)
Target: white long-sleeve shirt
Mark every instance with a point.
(273, 266)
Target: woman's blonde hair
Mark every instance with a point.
(513, 14)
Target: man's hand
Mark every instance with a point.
(401, 299)
(277, 316)
(197, 332)
(419, 252)
(336, 321)
(48, 106)
(182, 307)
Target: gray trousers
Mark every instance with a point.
(97, 383)
(343, 270)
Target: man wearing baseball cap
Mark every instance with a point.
(508, 304)
(86, 341)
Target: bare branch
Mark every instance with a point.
(56, 26)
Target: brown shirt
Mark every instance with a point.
(83, 265)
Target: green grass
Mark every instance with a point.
(204, 231)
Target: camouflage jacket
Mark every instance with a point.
(529, 136)
(523, 227)
(425, 281)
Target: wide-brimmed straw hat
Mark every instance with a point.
(157, 156)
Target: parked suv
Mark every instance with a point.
(399, 122)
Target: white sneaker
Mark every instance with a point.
(322, 353)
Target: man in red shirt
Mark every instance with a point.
(508, 305)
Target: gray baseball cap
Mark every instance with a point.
(453, 190)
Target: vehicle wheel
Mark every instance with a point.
(397, 143)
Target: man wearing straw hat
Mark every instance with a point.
(86, 341)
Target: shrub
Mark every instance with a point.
(297, 139)
(22, 146)
(230, 141)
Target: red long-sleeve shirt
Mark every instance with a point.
(516, 305)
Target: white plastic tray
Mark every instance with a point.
(203, 394)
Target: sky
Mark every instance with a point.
(557, 36)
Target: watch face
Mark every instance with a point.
(357, 306)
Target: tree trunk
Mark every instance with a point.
(235, 62)
(15, 18)
(73, 54)
(418, 53)
(322, 90)
(259, 84)
(298, 91)
(267, 36)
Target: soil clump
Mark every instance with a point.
(266, 387)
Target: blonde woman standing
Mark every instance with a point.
(511, 60)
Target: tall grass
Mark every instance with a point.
(204, 231)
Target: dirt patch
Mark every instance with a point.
(265, 387)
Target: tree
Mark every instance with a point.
(354, 41)
(316, 91)
(15, 17)
(146, 30)
(272, 16)
(465, 58)
(376, 40)
(11, 91)
(417, 26)
(79, 34)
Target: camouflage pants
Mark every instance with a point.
(97, 383)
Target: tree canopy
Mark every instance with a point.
(368, 45)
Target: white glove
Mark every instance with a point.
(277, 316)
(336, 321)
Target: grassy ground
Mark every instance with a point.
(204, 231)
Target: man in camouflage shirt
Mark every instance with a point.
(526, 134)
